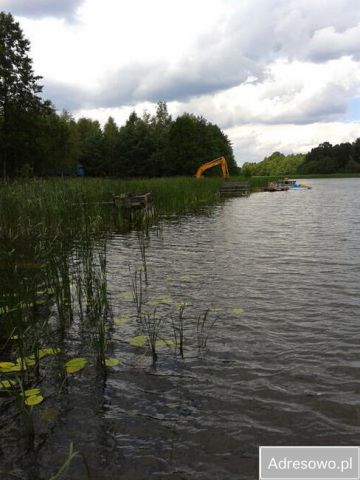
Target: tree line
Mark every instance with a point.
(323, 159)
(36, 140)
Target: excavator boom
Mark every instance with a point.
(218, 161)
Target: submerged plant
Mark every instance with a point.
(64, 468)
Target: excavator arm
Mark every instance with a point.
(218, 161)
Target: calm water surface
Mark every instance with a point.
(280, 273)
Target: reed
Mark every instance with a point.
(137, 290)
(178, 329)
(203, 327)
(152, 324)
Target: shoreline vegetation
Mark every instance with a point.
(35, 201)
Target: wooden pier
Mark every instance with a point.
(133, 201)
(134, 205)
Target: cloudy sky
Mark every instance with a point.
(273, 74)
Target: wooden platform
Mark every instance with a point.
(133, 201)
(236, 189)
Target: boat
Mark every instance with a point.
(276, 187)
(296, 186)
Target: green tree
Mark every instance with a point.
(112, 147)
(21, 108)
(91, 147)
(60, 145)
(193, 141)
(137, 147)
(160, 126)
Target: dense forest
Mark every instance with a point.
(324, 159)
(36, 140)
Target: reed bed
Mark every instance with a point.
(56, 310)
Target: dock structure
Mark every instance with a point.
(133, 201)
(134, 204)
(236, 189)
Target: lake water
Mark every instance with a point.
(279, 274)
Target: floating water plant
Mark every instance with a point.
(121, 320)
(10, 367)
(75, 365)
(159, 299)
(31, 392)
(6, 384)
(32, 397)
(33, 400)
(143, 341)
(111, 362)
(237, 311)
(26, 361)
(139, 341)
(44, 352)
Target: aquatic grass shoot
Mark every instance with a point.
(178, 329)
(203, 327)
(152, 324)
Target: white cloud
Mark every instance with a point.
(293, 63)
(42, 8)
(291, 92)
(253, 142)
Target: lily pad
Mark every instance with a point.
(33, 400)
(27, 361)
(31, 392)
(181, 304)
(139, 341)
(6, 365)
(7, 384)
(237, 311)
(9, 367)
(121, 320)
(111, 362)
(166, 299)
(143, 340)
(43, 352)
(76, 364)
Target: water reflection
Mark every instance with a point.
(233, 329)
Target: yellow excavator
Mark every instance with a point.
(218, 161)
